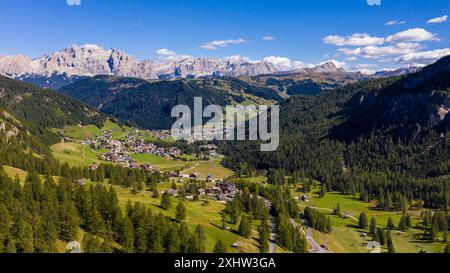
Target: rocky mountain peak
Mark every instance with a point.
(327, 67)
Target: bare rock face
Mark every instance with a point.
(15, 65)
(328, 67)
(92, 60)
(88, 60)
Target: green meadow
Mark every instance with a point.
(346, 236)
(75, 154)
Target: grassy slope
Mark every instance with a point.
(159, 161)
(211, 167)
(75, 154)
(197, 213)
(78, 155)
(92, 131)
(346, 235)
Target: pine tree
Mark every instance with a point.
(363, 222)
(10, 246)
(193, 244)
(127, 235)
(68, 220)
(300, 244)
(155, 192)
(323, 190)
(373, 226)
(201, 239)
(264, 235)
(337, 210)
(184, 235)
(390, 244)
(220, 247)
(388, 203)
(224, 219)
(390, 224)
(244, 228)
(24, 237)
(402, 225)
(433, 233)
(172, 241)
(5, 224)
(165, 201)
(181, 212)
(235, 213)
(381, 236)
(91, 244)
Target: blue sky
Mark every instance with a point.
(307, 31)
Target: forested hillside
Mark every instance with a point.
(320, 139)
(149, 104)
(43, 106)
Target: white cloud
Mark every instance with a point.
(357, 39)
(169, 55)
(425, 57)
(394, 22)
(237, 59)
(352, 59)
(372, 52)
(73, 2)
(165, 52)
(438, 20)
(412, 35)
(268, 38)
(91, 47)
(285, 64)
(334, 40)
(366, 71)
(214, 45)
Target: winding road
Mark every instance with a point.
(273, 235)
(316, 248)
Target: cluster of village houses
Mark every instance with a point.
(119, 150)
(221, 191)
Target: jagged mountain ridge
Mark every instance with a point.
(91, 60)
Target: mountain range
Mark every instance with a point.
(63, 67)
(91, 60)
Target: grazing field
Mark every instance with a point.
(213, 167)
(159, 162)
(21, 174)
(81, 132)
(14, 172)
(118, 132)
(75, 154)
(255, 179)
(346, 234)
(92, 131)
